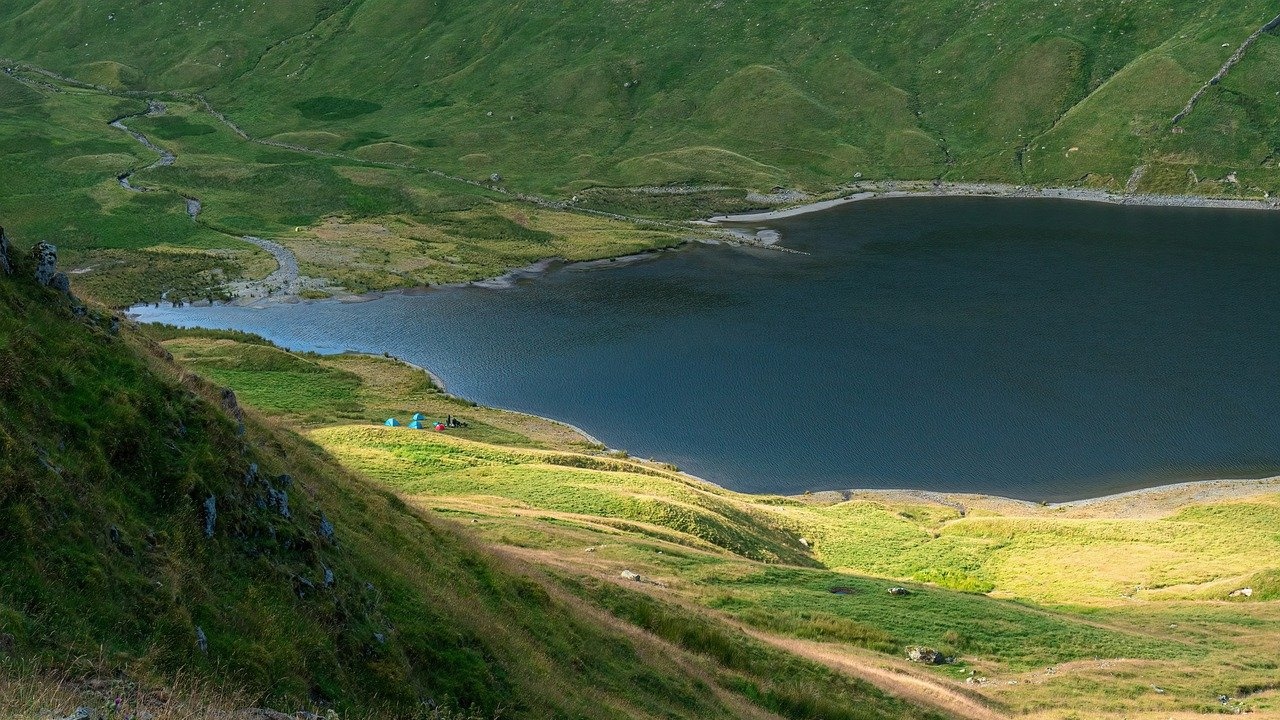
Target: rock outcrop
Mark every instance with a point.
(232, 406)
(927, 656)
(46, 259)
(210, 515)
(6, 265)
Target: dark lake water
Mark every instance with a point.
(1037, 349)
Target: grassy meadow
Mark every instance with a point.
(361, 224)
(1044, 607)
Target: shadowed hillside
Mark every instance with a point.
(152, 529)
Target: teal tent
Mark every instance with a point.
(416, 425)
(392, 422)
(419, 416)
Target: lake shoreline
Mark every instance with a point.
(1147, 502)
(861, 192)
(1142, 502)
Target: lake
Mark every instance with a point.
(1036, 349)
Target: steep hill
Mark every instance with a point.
(751, 94)
(152, 529)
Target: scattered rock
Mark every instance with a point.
(629, 575)
(329, 580)
(285, 480)
(1242, 592)
(1158, 690)
(61, 283)
(495, 178)
(279, 500)
(927, 656)
(202, 641)
(6, 266)
(804, 542)
(382, 639)
(899, 591)
(261, 714)
(81, 713)
(46, 257)
(232, 406)
(210, 515)
(326, 528)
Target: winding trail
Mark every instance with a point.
(892, 676)
(888, 675)
(154, 109)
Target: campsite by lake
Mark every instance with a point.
(1035, 349)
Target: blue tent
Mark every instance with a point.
(417, 425)
(419, 416)
(392, 422)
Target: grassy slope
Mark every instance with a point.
(106, 460)
(750, 94)
(1144, 594)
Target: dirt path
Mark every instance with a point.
(888, 675)
(892, 676)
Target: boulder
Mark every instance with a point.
(202, 642)
(210, 515)
(927, 656)
(61, 283)
(279, 500)
(1242, 592)
(899, 591)
(326, 528)
(261, 714)
(46, 257)
(629, 575)
(6, 265)
(232, 406)
(81, 713)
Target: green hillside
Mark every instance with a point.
(148, 540)
(392, 144)
(751, 94)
